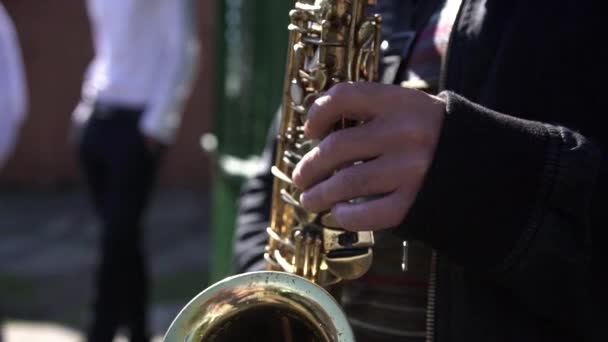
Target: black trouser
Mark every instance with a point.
(119, 169)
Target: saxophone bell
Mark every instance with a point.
(275, 306)
(330, 41)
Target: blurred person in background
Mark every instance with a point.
(146, 53)
(13, 92)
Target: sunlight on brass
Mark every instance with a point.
(330, 41)
(203, 317)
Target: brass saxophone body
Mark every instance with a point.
(330, 41)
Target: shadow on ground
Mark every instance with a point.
(48, 254)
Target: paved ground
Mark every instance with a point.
(48, 252)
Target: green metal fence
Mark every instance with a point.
(251, 46)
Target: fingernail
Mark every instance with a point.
(319, 101)
(334, 214)
(302, 198)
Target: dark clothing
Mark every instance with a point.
(512, 201)
(119, 170)
(508, 201)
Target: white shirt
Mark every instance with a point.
(146, 54)
(13, 93)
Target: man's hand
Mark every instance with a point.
(397, 142)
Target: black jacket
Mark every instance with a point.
(515, 196)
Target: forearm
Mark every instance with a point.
(511, 199)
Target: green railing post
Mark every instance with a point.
(251, 46)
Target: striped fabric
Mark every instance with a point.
(425, 62)
(388, 304)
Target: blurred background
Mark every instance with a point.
(48, 230)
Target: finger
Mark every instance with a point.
(375, 177)
(376, 214)
(337, 149)
(355, 100)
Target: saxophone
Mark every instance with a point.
(308, 254)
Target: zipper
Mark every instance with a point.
(432, 288)
(431, 299)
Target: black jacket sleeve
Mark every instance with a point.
(254, 211)
(511, 199)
